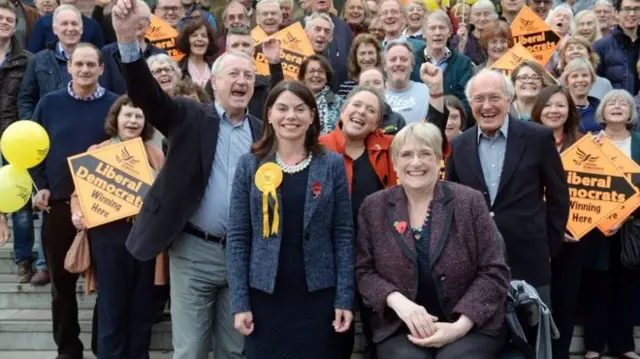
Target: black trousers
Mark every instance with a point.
(566, 274)
(125, 298)
(609, 300)
(474, 345)
(58, 233)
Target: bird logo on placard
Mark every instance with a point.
(584, 157)
(126, 157)
(524, 24)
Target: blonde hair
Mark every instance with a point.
(577, 40)
(424, 133)
(575, 65)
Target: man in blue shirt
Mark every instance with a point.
(187, 208)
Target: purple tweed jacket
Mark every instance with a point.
(466, 255)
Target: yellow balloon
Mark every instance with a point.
(15, 188)
(24, 144)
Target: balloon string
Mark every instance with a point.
(34, 184)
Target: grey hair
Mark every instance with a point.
(485, 4)
(216, 68)
(319, 15)
(616, 95)
(507, 84)
(67, 7)
(563, 6)
(440, 16)
(289, 2)
(573, 26)
(226, 9)
(426, 133)
(399, 42)
(366, 88)
(166, 59)
(264, 2)
(144, 8)
(578, 64)
(603, 2)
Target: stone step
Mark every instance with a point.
(7, 262)
(26, 296)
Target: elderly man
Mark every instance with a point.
(235, 15)
(269, 16)
(517, 167)
(48, 70)
(187, 208)
(74, 119)
(112, 79)
(44, 34)
(319, 29)
(604, 12)
(339, 44)
(239, 39)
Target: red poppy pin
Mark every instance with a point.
(400, 226)
(316, 189)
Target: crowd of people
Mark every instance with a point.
(395, 94)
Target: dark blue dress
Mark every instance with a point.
(292, 322)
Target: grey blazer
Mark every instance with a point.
(329, 243)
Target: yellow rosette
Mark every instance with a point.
(268, 179)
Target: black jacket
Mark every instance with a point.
(192, 131)
(261, 89)
(111, 78)
(392, 122)
(11, 74)
(533, 229)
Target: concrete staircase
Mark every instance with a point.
(25, 319)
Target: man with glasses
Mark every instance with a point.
(235, 15)
(517, 168)
(170, 11)
(269, 16)
(620, 50)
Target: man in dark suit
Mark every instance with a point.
(187, 208)
(518, 169)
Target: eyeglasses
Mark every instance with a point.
(527, 78)
(160, 70)
(170, 8)
(628, 10)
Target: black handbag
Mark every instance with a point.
(630, 242)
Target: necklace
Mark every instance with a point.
(291, 169)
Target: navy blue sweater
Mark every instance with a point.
(73, 125)
(42, 34)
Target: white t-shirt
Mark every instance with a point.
(412, 103)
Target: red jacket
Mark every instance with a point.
(379, 149)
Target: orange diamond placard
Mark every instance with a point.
(597, 187)
(530, 31)
(111, 182)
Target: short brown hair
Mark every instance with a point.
(352, 60)
(111, 123)
(547, 80)
(191, 26)
(323, 62)
(187, 88)
(4, 4)
(494, 30)
(87, 45)
(577, 40)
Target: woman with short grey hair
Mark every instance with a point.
(165, 70)
(609, 296)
